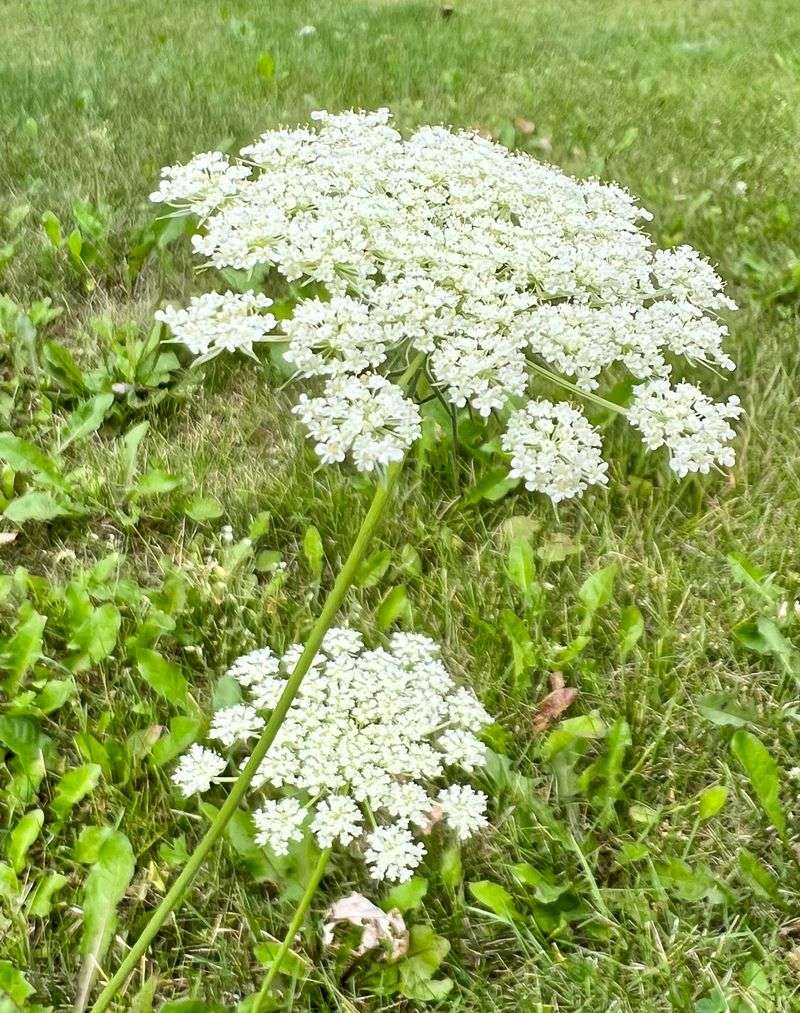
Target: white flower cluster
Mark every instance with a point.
(366, 755)
(215, 322)
(691, 425)
(447, 250)
(554, 449)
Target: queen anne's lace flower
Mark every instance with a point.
(235, 724)
(369, 743)
(694, 428)
(278, 822)
(198, 770)
(483, 262)
(214, 322)
(554, 449)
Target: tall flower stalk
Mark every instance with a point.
(174, 896)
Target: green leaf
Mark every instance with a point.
(313, 551)
(596, 591)
(266, 67)
(572, 731)
(52, 228)
(720, 709)
(86, 419)
(74, 786)
(22, 837)
(183, 731)
(104, 888)
(54, 694)
(451, 868)
(522, 649)
(156, 482)
(492, 487)
(292, 963)
(162, 675)
(14, 984)
(603, 780)
(22, 651)
(545, 889)
(496, 898)
(97, 635)
(757, 876)
(26, 457)
(395, 605)
(426, 952)
(406, 896)
(40, 901)
(36, 506)
(711, 800)
(130, 450)
(762, 770)
(373, 568)
(521, 566)
(203, 508)
(631, 628)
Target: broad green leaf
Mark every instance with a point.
(426, 952)
(14, 984)
(762, 770)
(602, 781)
(492, 487)
(451, 868)
(52, 228)
(74, 786)
(292, 963)
(406, 896)
(86, 419)
(266, 66)
(496, 898)
(757, 876)
(40, 901)
(751, 577)
(596, 591)
(90, 841)
(24, 833)
(545, 888)
(54, 694)
(373, 568)
(156, 482)
(720, 709)
(104, 888)
(26, 457)
(203, 508)
(162, 675)
(9, 884)
(37, 506)
(521, 566)
(522, 648)
(62, 366)
(22, 651)
(313, 551)
(711, 800)
(130, 450)
(572, 731)
(22, 735)
(779, 646)
(394, 605)
(631, 628)
(97, 635)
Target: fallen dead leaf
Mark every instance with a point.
(558, 700)
(379, 928)
(7, 537)
(524, 126)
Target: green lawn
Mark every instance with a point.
(667, 905)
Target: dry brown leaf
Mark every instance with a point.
(553, 706)
(524, 126)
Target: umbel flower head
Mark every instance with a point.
(369, 756)
(483, 268)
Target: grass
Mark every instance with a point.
(662, 909)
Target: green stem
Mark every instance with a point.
(176, 892)
(573, 388)
(291, 932)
